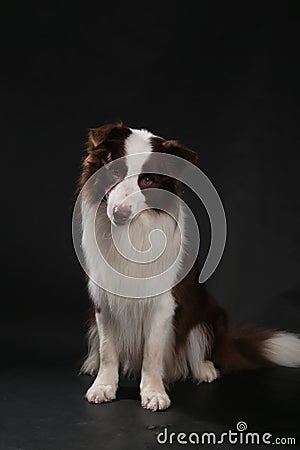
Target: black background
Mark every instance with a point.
(221, 78)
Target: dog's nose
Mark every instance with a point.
(121, 214)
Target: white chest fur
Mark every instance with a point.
(116, 257)
(131, 318)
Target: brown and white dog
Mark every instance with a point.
(178, 334)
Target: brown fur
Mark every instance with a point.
(240, 349)
(231, 350)
(103, 142)
(195, 306)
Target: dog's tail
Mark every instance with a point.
(250, 347)
(92, 360)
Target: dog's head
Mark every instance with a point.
(132, 168)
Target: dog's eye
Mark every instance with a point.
(147, 180)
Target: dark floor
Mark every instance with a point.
(44, 408)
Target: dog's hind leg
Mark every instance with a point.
(207, 372)
(92, 361)
(197, 348)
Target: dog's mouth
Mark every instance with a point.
(120, 222)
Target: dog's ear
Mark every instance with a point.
(103, 146)
(177, 149)
(99, 137)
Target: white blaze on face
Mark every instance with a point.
(127, 194)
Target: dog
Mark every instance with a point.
(162, 336)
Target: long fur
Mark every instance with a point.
(183, 330)
(243, 349)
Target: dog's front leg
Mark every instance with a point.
(106, 383)
(157, 337)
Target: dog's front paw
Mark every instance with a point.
(155, 400)
(208, 372)
(100, 393)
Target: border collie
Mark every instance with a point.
(176, 334)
